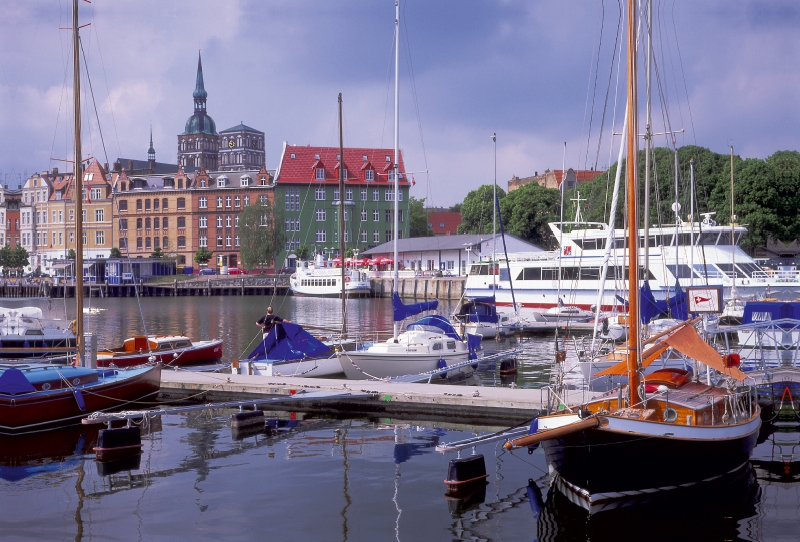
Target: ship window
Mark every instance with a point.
(550, 273)
(478, 269)
(570, 273)
(437, 346)
(748, 268)
(708, 271)
(165, 346)
(708, 239)
(680, 271)
(590, 273)
(532, 273)
(504, 274)
(726, 268)
(451, 345)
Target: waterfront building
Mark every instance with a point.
(307, 190)
(32, 212)
(450, 254)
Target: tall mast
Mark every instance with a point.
(494, 215)
(78, 194)
(396, 140)
(633, 223)
(647, 139)
(341, 217)
(733, 232)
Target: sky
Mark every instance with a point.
(542, 75)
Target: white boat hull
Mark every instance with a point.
(363, 365)
(312, 368)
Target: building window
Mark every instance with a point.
(203, 241)
(147, 205)
(156, 242)
(363, 215)
(155, 204)
(237, 201)
(236, 240)
(71, 216)
(369, 175)
(228, 241)
(181, 241)
(363, 236)
(320, 175)
(335, 194)
(219, 240)
(321, 236)
(399, 195)
(98, 215)
(227, 201)
(147, 223)
(138, 243)
(165, 242)
(349, 194)
(123, 224)
(263, 198)
(147, 243)
(138, 205)
(388, 196)
(319, 194)
(376, 215)
(363, 194)
(236, 221)
(376, 236)
(321, 215)
(399, 215)
(156, 223)
(203, 202)
(139, 223)
(376, 195)
(388, 235)
(247, 202)
(61, 217)
(123, 244)
(164, 204)
(123, 205)
(203, 221)
(244, 181)
(219, 221)
(165, 222)
(181, 203)
(388, 215)
(219, 201)
(228, 221)
(181, 222)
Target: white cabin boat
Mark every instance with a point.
(320, 278)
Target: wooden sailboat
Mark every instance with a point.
(36, 397)
(659, 433)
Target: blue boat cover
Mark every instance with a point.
(473, 344)
(479, 309)
(756, 312)
(439, 321)
(13, 382)
(401, 311)
(649, 306)
(288, 341)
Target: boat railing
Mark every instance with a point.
(780, 275)
(533, 256)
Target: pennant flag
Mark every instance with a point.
(413, 182)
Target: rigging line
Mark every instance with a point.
(105, 76)
(608, 91)
(594, 90)
(683, 74)
(589, 84)
(415, 99)
(614, 112)
(389, 80)
(94, 104)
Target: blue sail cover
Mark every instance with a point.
(438, 321)
(649, 306)
(479, 309)
(286, 342)
(401, 311)
(677, 303)
(756, 312)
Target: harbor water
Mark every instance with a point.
(318, 478)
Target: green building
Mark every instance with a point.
(307, 194)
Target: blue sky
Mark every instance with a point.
(729, 73)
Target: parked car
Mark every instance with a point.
(208, 271)
(237, 271)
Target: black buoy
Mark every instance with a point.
(466, 471)
(115, 444)
(247, 419)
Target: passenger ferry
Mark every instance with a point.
(695, 252)
(321, 278)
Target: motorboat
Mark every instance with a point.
(171, 350)
(479, 316)
(25, 333)
(41, 396)
(322, 278)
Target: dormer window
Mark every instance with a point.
(320, 174)
(338, 156)
(316, 157)
(244, 180)
(365, 158)
(369, 175)
(388, 158)
(292, 156)
(222, 180)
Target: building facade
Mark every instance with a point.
(307, 190)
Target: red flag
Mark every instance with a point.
(413, 182)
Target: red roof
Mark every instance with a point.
(299, 164)
(444, 222)
(582, 175)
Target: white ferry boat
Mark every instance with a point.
(321, 278)
(695, 252)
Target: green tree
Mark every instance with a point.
(477, 212)
(115, 253)
(157, 253)
(13, 258)
(455, 208)
(418, 218)
(5, 259)
(203, 255)
(303, 253)
(260, 234)
(71, 254)
(527, 211)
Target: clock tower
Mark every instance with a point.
(198, 145)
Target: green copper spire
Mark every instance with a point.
(199, 89)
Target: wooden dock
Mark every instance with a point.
(504, 406)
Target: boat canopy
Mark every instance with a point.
(288, 341)
(437, 321)
(402, 311)
(479, 309)
(13, 382)
(758, 312)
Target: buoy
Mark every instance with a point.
(247, 419)
(118, 443)
(107, 468)
(466, 471)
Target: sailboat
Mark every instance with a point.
(427, 344)
(40, 396)
(653, 435)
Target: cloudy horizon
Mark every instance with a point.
(536, 73)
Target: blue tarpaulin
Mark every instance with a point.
(401, 311)
(289, 342)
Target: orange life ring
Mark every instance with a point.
(347, 279)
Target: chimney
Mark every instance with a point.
(536, 174)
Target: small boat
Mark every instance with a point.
(41, 396)
(172, 350)
(290, 350)
(479, 316)
(427, 344)
(563, 314)
(25, 333)
(321, 278)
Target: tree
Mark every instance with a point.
(477, 211)
(203, 255)
(157, 253)
(527, 211)
(303, 253)
(260, 234)
(71, 254)
(418, 218)
(5, 259)
(455, 208)
(115, 253)
(15, 258)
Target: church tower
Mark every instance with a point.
(151, 152)
(198, 145)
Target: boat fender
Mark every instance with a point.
(535, 498)
(670, 415)
(441, 364)
(534, 428)
(79, 399)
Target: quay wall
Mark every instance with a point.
(422, 288)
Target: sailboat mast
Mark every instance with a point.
(78, 194)
(494, 216)
(733, 232)
(396, 140)
(633, 223)
(647, 139)
(341, 218)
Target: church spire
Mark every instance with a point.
(151, 152)
(200, 93)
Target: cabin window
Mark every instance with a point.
(182, 344)
(479, 269)
(680, 271)
(708, 239)
(749, 269)
(451, 345)
(504, 274)
(437, 346)
(165, 346)
(590, 273)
